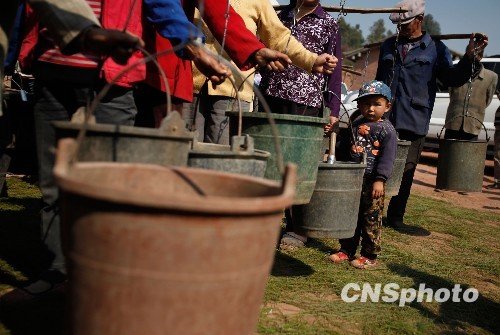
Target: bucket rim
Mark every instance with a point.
(121, 130)
(404, 143)
(257, 154)
(223, 205)
(464, 141)
(340, 165)
(286, 117)
(175, 202)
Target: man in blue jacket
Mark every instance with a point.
(410, 64)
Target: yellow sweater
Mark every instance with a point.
(261, 19)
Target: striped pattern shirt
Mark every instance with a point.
(80, 60)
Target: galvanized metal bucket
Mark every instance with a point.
(393, 183)
(166, 250)
(333, 209)
(461, 162)
(300, 138)
(461, 165)
(168, 145)
(240, 157)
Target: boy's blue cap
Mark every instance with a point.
(374, 87)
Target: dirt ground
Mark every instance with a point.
(425, 182)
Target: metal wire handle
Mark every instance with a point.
(464, 116)
(105, 89)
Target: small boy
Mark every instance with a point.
(376, 137)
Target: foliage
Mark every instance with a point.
(430, 25)
(378, 32)
(352, 37)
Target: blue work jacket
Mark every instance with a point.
(414, 85)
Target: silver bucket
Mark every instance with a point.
(168, 145)
(393, 183)
(333, 209)
(240, 157)
(461, 165)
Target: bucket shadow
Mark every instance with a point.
(20, 243)
(40, 315)
(480, 313)
(407, 229)
(319, 245)
(287, 266)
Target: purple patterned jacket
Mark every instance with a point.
(319, 33)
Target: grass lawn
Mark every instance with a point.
(456, 246)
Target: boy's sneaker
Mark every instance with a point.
(339, 257)
(363, 263)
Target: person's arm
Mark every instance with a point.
(65, 19)
(491, 90)
(334, 84)
(170, 20)
(459, 74)
(276, 36)
(386, 157)
(74, 28)
(241, 44)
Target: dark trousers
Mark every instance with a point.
(369, 226)
(397, 205)
(209, 114)
(57, 102)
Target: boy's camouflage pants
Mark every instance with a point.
(369, 227)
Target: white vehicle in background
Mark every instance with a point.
(440, 107)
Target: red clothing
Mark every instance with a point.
(53, 55)
(114, 15)
(240, 45)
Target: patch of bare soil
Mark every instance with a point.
(424, 184)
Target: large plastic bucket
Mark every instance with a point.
(300, 138)
(333, 209)
(461, 165)
(166, 250)
(168, 145)
(240, 157)
(394, 182)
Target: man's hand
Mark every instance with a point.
(331, 125)
(325, 63)
(271, 59)
(208, 64)
(378, 189)
(107, 42)
(477, 44)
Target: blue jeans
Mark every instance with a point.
(57, 101)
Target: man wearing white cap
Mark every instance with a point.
(410, 64)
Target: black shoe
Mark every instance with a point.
(395, 223)
(48, 281)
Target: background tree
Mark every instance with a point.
(352, 37)
(378, 32)
(431, 26)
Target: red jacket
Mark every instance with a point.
(240, 45)
(114, 15)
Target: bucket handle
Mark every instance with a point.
(238, 100)
(274, 129)
(464, 116)
(105, 89)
